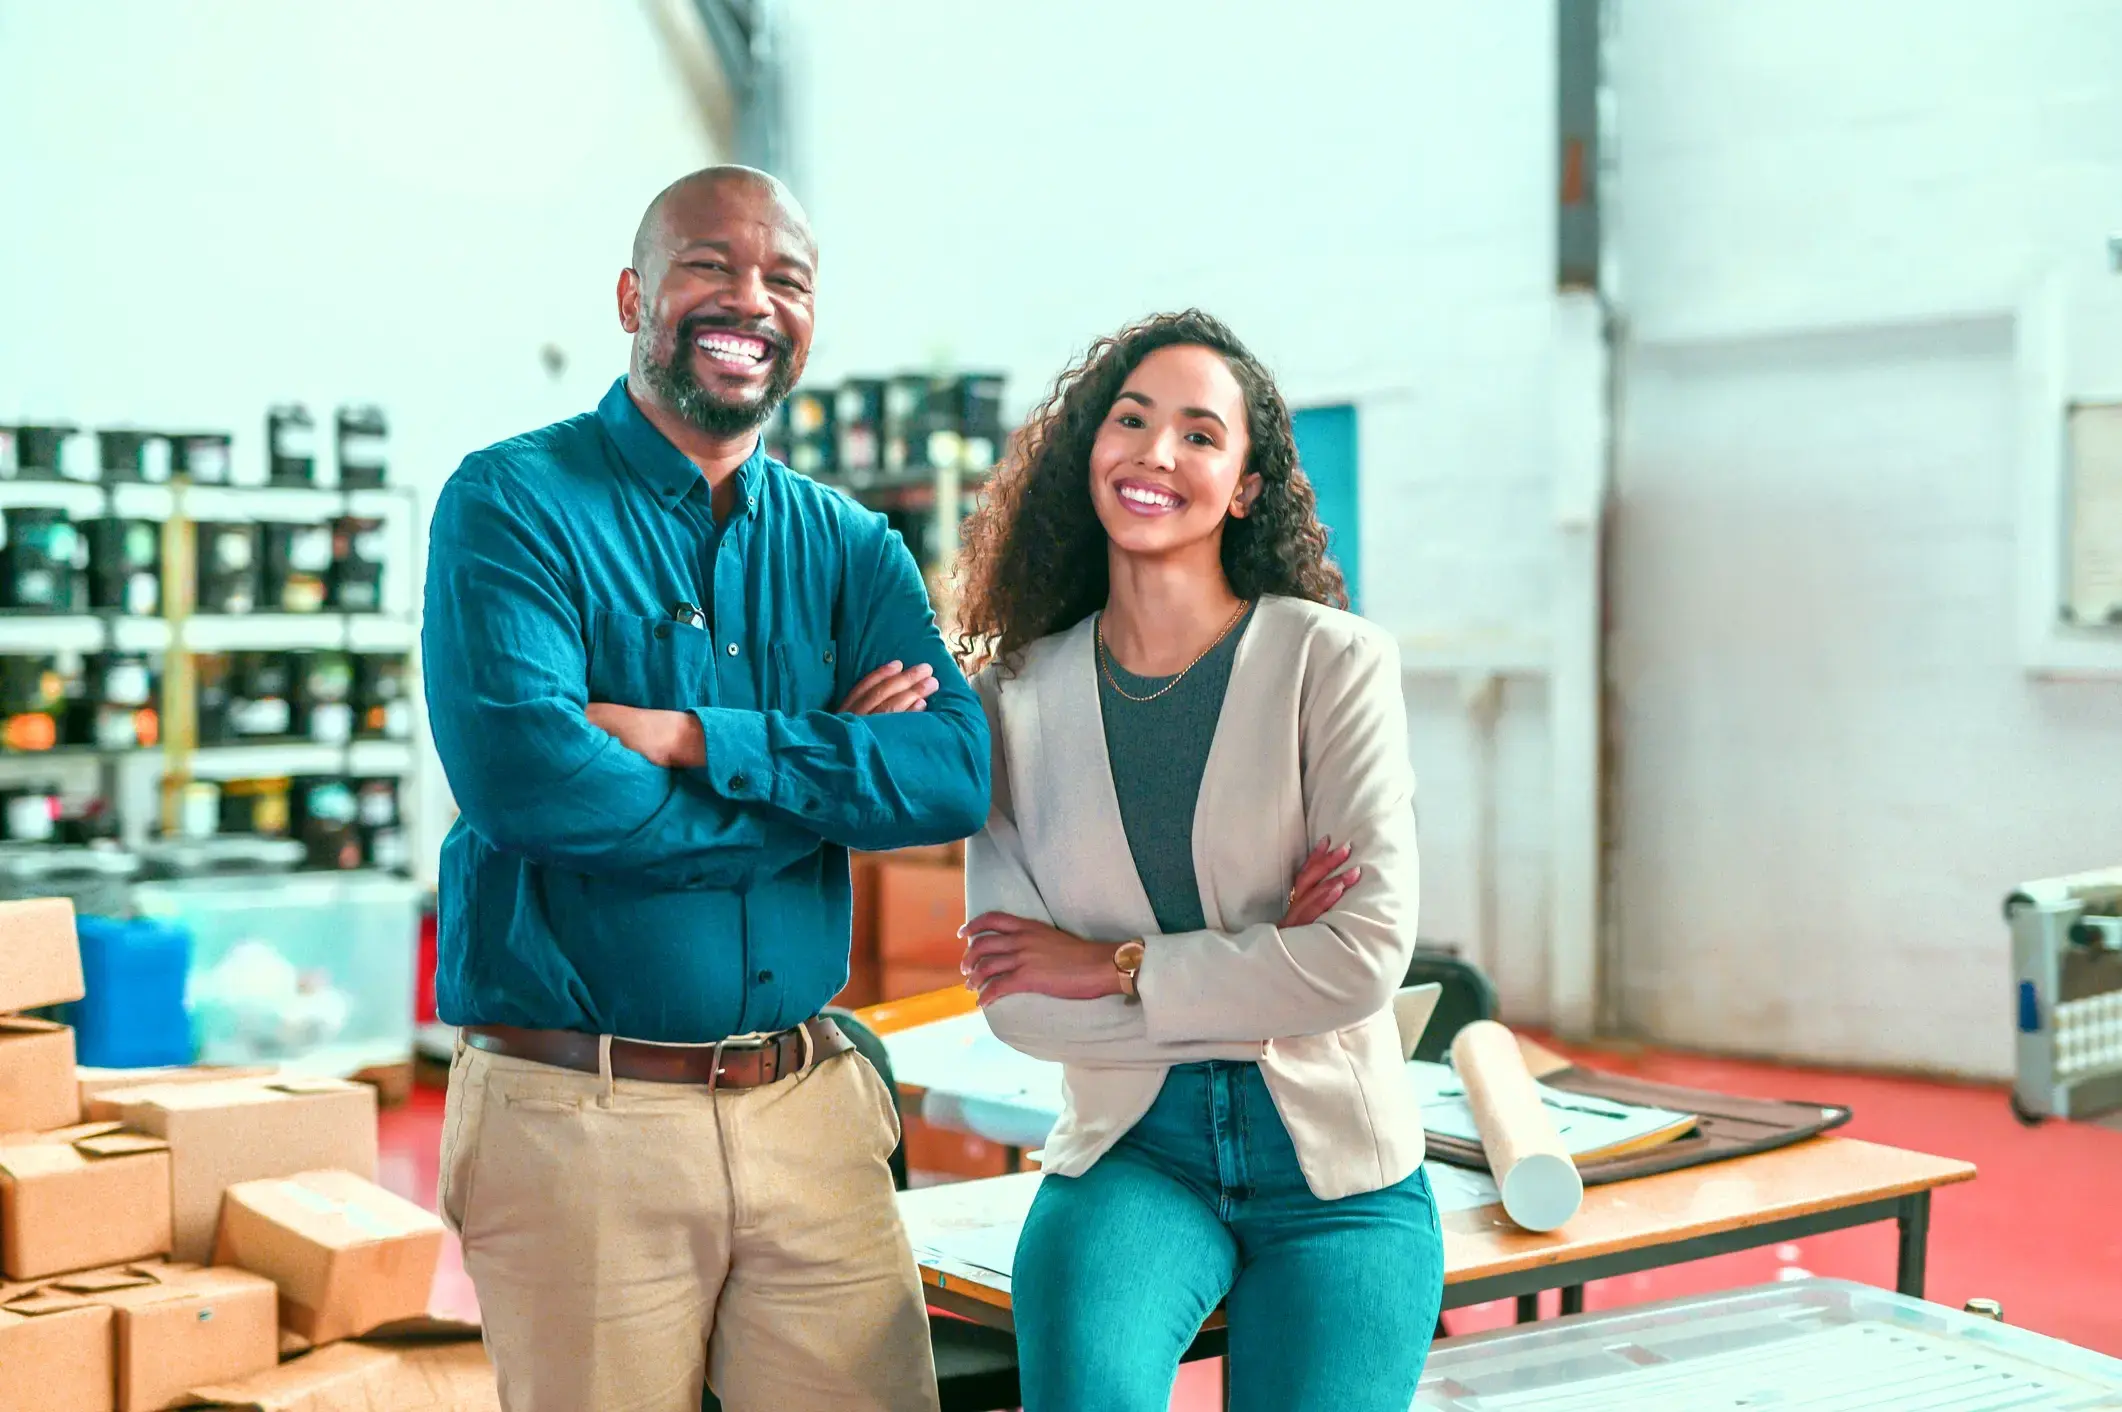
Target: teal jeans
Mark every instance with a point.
(1331, 1304)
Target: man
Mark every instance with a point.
(671, 684)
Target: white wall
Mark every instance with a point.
(1833, 761)
(1365, 195)
(216, 206)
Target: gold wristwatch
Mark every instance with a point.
(1127, 960)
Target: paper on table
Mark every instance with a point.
(1587, 1125)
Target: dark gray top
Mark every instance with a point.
(1159, 751)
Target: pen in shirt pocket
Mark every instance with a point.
(684, 612)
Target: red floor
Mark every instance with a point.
(2040, 1230)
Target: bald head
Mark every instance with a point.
(705, 190)
(718, 299)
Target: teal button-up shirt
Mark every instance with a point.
(583, 888)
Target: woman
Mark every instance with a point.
(1196, 889)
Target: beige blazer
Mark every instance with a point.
(1312, 743)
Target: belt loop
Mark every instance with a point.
(604, 1072)
(461, 1045)
(810, 1048)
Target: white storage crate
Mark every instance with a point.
(310, 971)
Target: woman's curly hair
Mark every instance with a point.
(1034, 556)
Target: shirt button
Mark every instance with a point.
(662, 631)
(766, 978)
(751, 502)
(733, 649)
(737, 783)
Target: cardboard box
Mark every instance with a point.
(95, 1083)
(40, 957)
(56, 1353)
(82, 1197)
(245, 1130)
(37, 1090)
(362, 1377)
(180, 1327)
(942, 1152)
(919, 910)
(348, 1256)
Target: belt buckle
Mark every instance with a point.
(760, 1043)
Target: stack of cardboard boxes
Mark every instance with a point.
(167, 1238)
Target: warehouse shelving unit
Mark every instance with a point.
(142, 784)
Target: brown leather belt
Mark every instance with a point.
(735, 1063)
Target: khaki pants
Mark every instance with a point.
(628, 1238)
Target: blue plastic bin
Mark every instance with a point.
(133, 1016)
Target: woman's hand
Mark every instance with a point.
(1318, 888)
(1016, 956)
(892, 687)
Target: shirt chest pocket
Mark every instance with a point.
(656, 664)
(806, 676)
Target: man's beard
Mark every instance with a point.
(673, 380)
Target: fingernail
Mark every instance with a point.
(920, 706)
(894, 666)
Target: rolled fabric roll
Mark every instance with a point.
(1540, 1184)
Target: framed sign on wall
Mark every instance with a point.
(2092, 506)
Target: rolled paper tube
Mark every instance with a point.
(1540, 1184)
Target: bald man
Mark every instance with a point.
(672, 684)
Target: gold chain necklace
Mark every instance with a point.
(1105, 663)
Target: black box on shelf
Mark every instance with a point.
(227, 553)
(362, 463)
(813, 445)
(43, 561)
(128, 454)
(38, 451)
(116, 708)
(357, 565)
(975, 400)
(290, 445)
(244, 696)
(326, 818)
(203, 457)
(257, 806)
(858, 424)
(124, 565)
(383, 697)
(29, 813)
(383, 843)
(213, 679)
(297, 566)
(262, 705)
(34, 691)
(323, 695)
(906, 417)
(774, 435)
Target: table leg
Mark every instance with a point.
(1529, 1308)
(1914, 1222)
(1572, 1300)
